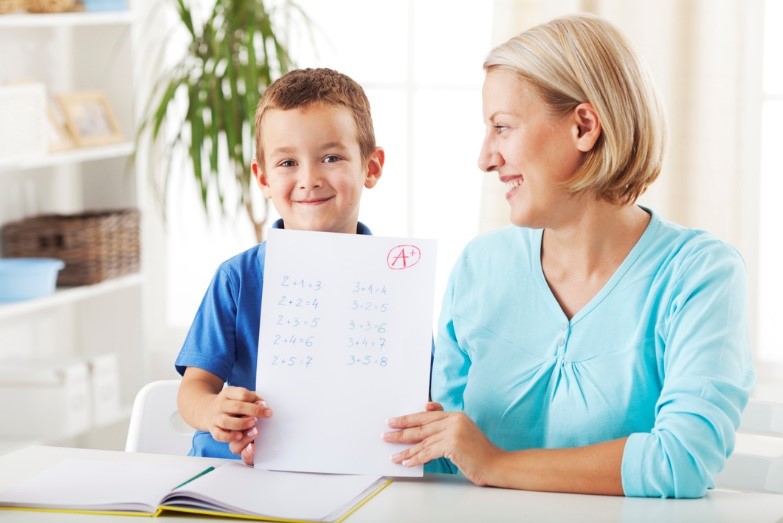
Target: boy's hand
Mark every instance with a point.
(247, 452)
(243, 441)
(228, 413)
(233, 416)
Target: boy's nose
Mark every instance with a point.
(309, 177)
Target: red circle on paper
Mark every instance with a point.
(403, 257)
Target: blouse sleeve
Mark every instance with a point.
(450, 361)
(449, 373)
(707, 373)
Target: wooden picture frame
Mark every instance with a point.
(90, 118)
(59, 136)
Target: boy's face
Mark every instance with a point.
(313, 169)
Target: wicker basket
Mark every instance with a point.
(48, 6)
(94, 245)
(9, 6)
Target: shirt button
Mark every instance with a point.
(564, 326)
(561, 342)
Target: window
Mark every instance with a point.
(771, 186)
(424, 87)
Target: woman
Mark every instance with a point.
(592, 346)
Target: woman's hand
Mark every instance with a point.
(452, 435)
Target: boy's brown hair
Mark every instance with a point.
(304, 87)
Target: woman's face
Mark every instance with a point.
(532, 151)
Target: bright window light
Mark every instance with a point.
(424, 87)
(771, 186)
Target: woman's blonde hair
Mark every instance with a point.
(583, 58)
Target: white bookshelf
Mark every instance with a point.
(31, 20)
(77, 155)
(68, 295)
(72, 52)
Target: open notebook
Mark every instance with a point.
(229, 490)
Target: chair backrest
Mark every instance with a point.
(155, 425)
(757, 464)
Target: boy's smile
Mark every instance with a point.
(313, 170)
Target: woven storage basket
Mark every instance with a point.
(9, 6)
(94, 245)
(48, 6)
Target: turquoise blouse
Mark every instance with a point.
(660, 354)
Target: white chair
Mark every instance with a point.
(155, 425)
(758, 463)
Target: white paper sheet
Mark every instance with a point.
(344, 344)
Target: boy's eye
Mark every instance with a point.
(331, 158)
(287, 163)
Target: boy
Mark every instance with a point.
(315, 151)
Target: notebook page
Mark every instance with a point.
(100, 485)
(236, 488)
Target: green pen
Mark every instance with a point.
(205, 471)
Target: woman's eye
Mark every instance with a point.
(499, 128)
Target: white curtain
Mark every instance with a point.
(705, 56)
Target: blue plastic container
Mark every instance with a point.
(105, 5)
(26, 278)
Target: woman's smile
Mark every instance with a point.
(512, 184)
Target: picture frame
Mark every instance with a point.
(59, 137)
(89, 118)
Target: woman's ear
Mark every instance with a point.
(587, 127)
(260, 176)
(374, 167)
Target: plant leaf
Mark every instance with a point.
(230, 58)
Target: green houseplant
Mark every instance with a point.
(204, 105)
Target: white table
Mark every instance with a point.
(436, 498)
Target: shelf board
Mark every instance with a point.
(27, 20)
(83, 154)
(8, 445)
(63, 296)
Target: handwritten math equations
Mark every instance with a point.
(344, 343)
